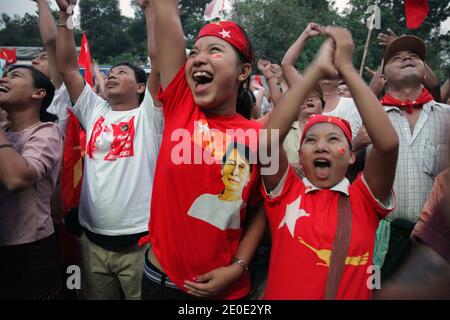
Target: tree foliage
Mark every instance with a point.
(272, 25)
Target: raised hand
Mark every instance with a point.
(143, 4)
(344, 47)
(324, 59)
(65, 4)
(264, 66)
(385, 39)
(312, 30)
(277, 71)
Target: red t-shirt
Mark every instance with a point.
(303, 222)
(192, 230)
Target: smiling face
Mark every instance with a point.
(312, 105)
(235, 173)
(121, 86)
(325, 155)
(404, 67)
(16, 89)
(214, 73)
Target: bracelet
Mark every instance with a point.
(6, 145)
(241, 263)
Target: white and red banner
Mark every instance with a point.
(214, 9)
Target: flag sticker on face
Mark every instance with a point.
(217, 56)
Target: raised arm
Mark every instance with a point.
(99, 80)
(48, 32)
(67, 54)
(154, 81)
(169, 40)
(287, 112)
(265, 67)
(379, 170)
(290, 58)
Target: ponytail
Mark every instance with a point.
(245, 103)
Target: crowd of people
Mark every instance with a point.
(188, 170)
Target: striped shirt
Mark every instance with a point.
(423, 153)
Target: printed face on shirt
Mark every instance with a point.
(40, 62)
(121, 86)
(312, 105)
(235, 173)
(214, 73)
(325, 155)
(404, 67)
(17, 89)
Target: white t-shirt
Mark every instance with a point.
(58, 107)
(265, 106)
(121, 152)
(346, 109)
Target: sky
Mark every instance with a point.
(20, 7)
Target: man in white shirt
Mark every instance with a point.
(123, 137)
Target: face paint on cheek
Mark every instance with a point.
(217, 56)
(341, 151)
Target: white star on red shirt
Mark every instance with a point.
(293, 212)
(225, 34)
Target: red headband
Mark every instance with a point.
(231, 33)
(320, 118)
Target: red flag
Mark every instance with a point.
(72, 163)
(8, 55)
(416, 11)
(84, 60)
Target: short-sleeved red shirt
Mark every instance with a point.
(303, 222)
(193, 231)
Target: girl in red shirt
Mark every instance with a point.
(206, 177)
(303, 212)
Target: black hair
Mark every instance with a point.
(323, 102)
(139, 75)
(244, 103)
(243, 150)
(40, 81)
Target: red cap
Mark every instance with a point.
(320, 118)
(230, 32)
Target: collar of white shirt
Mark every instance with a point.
(342, 186)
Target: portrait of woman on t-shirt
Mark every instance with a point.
(235, 176)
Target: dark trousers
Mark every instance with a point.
(399, 247)
(31, 271)
(152, 290)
